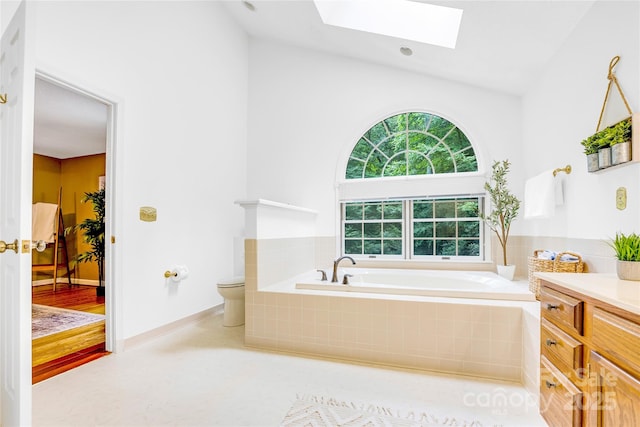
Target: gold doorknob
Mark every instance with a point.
(11, 246)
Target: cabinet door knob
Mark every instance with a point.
(552, 307)
(549, 384)
(551, 342)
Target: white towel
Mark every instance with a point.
(43, 221)
(541, 195)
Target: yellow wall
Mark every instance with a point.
(75, 176)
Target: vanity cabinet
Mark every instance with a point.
(589, 357)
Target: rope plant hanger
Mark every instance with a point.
(612, 79)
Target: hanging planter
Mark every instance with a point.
(613, 144)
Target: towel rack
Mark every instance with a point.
(566, 169)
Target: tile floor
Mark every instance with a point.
(202, 375)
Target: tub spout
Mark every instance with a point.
(334, 277)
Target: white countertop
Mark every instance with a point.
(624, 294)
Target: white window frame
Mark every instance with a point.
(408, 233)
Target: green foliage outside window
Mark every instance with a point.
(438, 227)
(411, 144)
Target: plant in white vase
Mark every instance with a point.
(504, 209)
(627, 249)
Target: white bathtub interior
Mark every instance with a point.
(442, 283)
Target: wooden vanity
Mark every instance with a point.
(589, 350)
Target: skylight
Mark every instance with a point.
(405, 19)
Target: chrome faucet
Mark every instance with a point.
(334, 277)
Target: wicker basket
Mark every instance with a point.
(556, 266)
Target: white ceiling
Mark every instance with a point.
(66, 123)
(502, 45)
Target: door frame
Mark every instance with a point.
(113, 328)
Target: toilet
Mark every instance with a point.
(232, 290)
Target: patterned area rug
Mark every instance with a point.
(50, 320)
(314, 411)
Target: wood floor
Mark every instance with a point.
(71, 348)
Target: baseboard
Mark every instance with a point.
(129, 343)
(63, 281)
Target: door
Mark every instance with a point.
(17, 76)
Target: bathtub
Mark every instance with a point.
(436, 283)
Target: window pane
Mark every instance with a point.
(419, 165)
(442, 160)
(361, 150)
(445, 209)
(393, 210)
(376, 133)
(372, 230)
(418, 121)
(446, 229)
(353, 211)
(354, 169)
(373, 247)
(353, 247)
(397, 123)
(423, 209)
(457, 141)
(423, 247)
(423, 229)
(392, 229)
(397, 166)
(469, 247)
(421, 142)
(469, 229)
(393, 247)
(353, 230)
(445, 247)
(375, 165)
(467, 208)
(373, 211)
(466, 161)
(439, 126)
(394, 145)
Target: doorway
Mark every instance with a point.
(73, 142)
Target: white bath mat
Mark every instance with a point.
(318, 411)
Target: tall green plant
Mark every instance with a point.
(93, 232)
(504, 205)
(626, 247)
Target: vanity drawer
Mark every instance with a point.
(560, 399)
(564, 351)
(561, 309)
(618, 337)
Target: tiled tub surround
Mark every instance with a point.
(474, 337)
(455, 335)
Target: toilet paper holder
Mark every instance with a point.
(177, 273)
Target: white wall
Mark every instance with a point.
(179, 72)
(563, 108)
(308, 109)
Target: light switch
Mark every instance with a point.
(621, 198)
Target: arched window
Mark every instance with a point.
(411, 143)
(405, 225)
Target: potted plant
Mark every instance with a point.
(591, 148)
(93, 234)
(627, 249)
(612, 146)
(504, 209)
(620, 142)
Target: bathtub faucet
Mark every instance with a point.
(334, 278)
